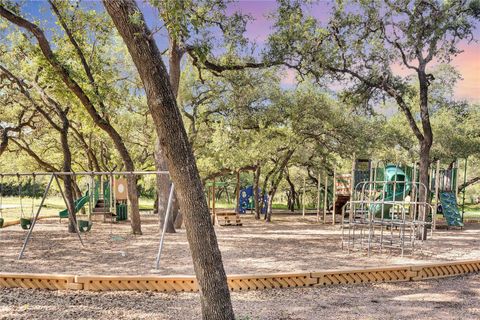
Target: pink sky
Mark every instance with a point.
(467, 63)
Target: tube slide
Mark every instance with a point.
(396, 187)
(79, 203)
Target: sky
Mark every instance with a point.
(467, 63)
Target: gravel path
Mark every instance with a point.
(450, 298)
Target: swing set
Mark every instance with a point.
(116, 200)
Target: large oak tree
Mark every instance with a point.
(207, 260)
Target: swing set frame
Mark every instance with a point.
(54, 177)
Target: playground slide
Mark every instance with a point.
(450, 209)
(79, 203)
(391, 193)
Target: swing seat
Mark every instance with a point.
(63, 214)
(25, 223)
(1, 222)
(84, 225)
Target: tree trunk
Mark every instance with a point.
(268, 215)
(206, 256)
(293, 193)
(175, 220)
(425, 145)
(132, 189)
(68, 181)
(179, 216)
(264, 187)
(163, 191)
(275, 183)
(423, 178)
(256, 193)
(289, 199)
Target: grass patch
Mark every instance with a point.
(12, 208)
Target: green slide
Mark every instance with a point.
(79, 203)
(450, 209)
(391, 193)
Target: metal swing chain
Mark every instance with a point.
(1, 196)
(33, 195)
(20, 195)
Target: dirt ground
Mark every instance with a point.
(289, 244)
(450, 298)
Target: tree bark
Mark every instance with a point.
(468, 183)
(163, 191)
(425, 144)
(293, 193)
(163, 181)
(256, 192)
(265, 183)
(206, 256)
(68, 181)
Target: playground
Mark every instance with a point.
(370, 221)
(375, 223)
(239, 160)
(291, 242)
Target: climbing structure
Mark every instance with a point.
(246, 200)
(385, 212)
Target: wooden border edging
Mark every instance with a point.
(37, 281)
(243, 282)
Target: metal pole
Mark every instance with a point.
(325, 198)
(303, 198)
(318, 198)
(162, 238)
(91, 199)
(69, 210)
(213, 202)
(437, 195)
(334, 192)
(414, 192)
(464, 187)
(84, 173)
(20, 256)
(237, 208)
(112, 195)
(455, 179)
(110, 201)
(208, 195)
(102, 195)
(352, 187)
